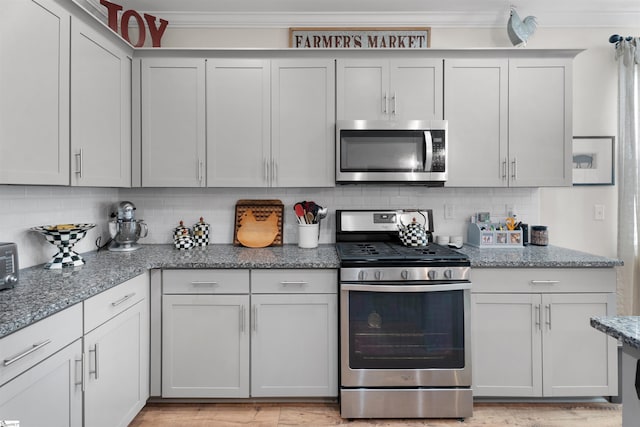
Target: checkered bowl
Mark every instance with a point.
(64, 239)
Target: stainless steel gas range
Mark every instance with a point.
(404, 321)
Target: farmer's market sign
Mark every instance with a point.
(360, 38)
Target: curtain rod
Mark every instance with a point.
(617, 38)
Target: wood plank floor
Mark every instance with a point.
(328, 414)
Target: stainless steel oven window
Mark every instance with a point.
(406, 330)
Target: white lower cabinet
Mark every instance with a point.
(531, 335)
(205, 346)
(48, 394)
(116, 354)
(294, 333)
(241, 333)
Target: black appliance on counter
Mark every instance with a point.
(404, 321)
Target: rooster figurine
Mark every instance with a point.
(520, 30)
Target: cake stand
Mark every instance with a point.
(64, 237)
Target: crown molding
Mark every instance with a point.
(458, 19)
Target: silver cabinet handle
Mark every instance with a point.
(266, 170)
(81, 362)
(123, 299)
(538, 316)
(95, 360)
(34, 347)
(274, 172)
(504, 169)
(514, 174)
(200, 171)
(545, 282)
(293, 282)
(79, 159)
(204, 282)
(255, 318)
(242, 319)
(384, 103)
(394, 109)
(548, 321)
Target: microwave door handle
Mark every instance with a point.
(428, 151)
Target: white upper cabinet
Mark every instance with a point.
(476, 101)
(303, 117)
(34, 93)
(270, 122)
(173, 122)
(509, 121)
(238, 123)
(398, 89)
(100, 110)
(540, 122)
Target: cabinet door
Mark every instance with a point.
(34, 93)
(49, 394)
(506, 347)
(303, 119)
(415, 89)
(294, 345)
(476, 106)
(362, 89)
(116, 368)
(173, 122)
(578, 360)
(238, 123)
(100, 110)
(205, 346)
(540, 122)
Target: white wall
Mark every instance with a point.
(23, 207)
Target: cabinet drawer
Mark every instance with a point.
(26, 347)
(205, 281)
(104, 306)
(294, 281)
(546, 280)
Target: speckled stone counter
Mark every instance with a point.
(535, 257)
(625, 328)
(42, 293)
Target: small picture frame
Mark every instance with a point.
(501, 238)
(593, 160)
(487, 238)
(515, 238)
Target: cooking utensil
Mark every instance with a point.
(299, 212)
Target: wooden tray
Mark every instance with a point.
(261, 210)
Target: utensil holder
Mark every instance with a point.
(308, 235)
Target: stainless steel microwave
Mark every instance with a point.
(412, 152)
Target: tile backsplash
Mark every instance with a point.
(162, 208)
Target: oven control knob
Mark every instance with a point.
(378, 275)
(432, 274)
(448, 274)
(362, 275)
(405, 274)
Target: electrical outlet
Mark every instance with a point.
(598, 212)
(449, 211)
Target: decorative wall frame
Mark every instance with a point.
(593, 160)
(360, 38)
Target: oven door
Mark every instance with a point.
(405, 335)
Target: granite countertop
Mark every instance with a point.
(535, 257)
(625, 328)
(42, 293)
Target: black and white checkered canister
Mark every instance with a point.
(200, 233)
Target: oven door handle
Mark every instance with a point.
(405, 288)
